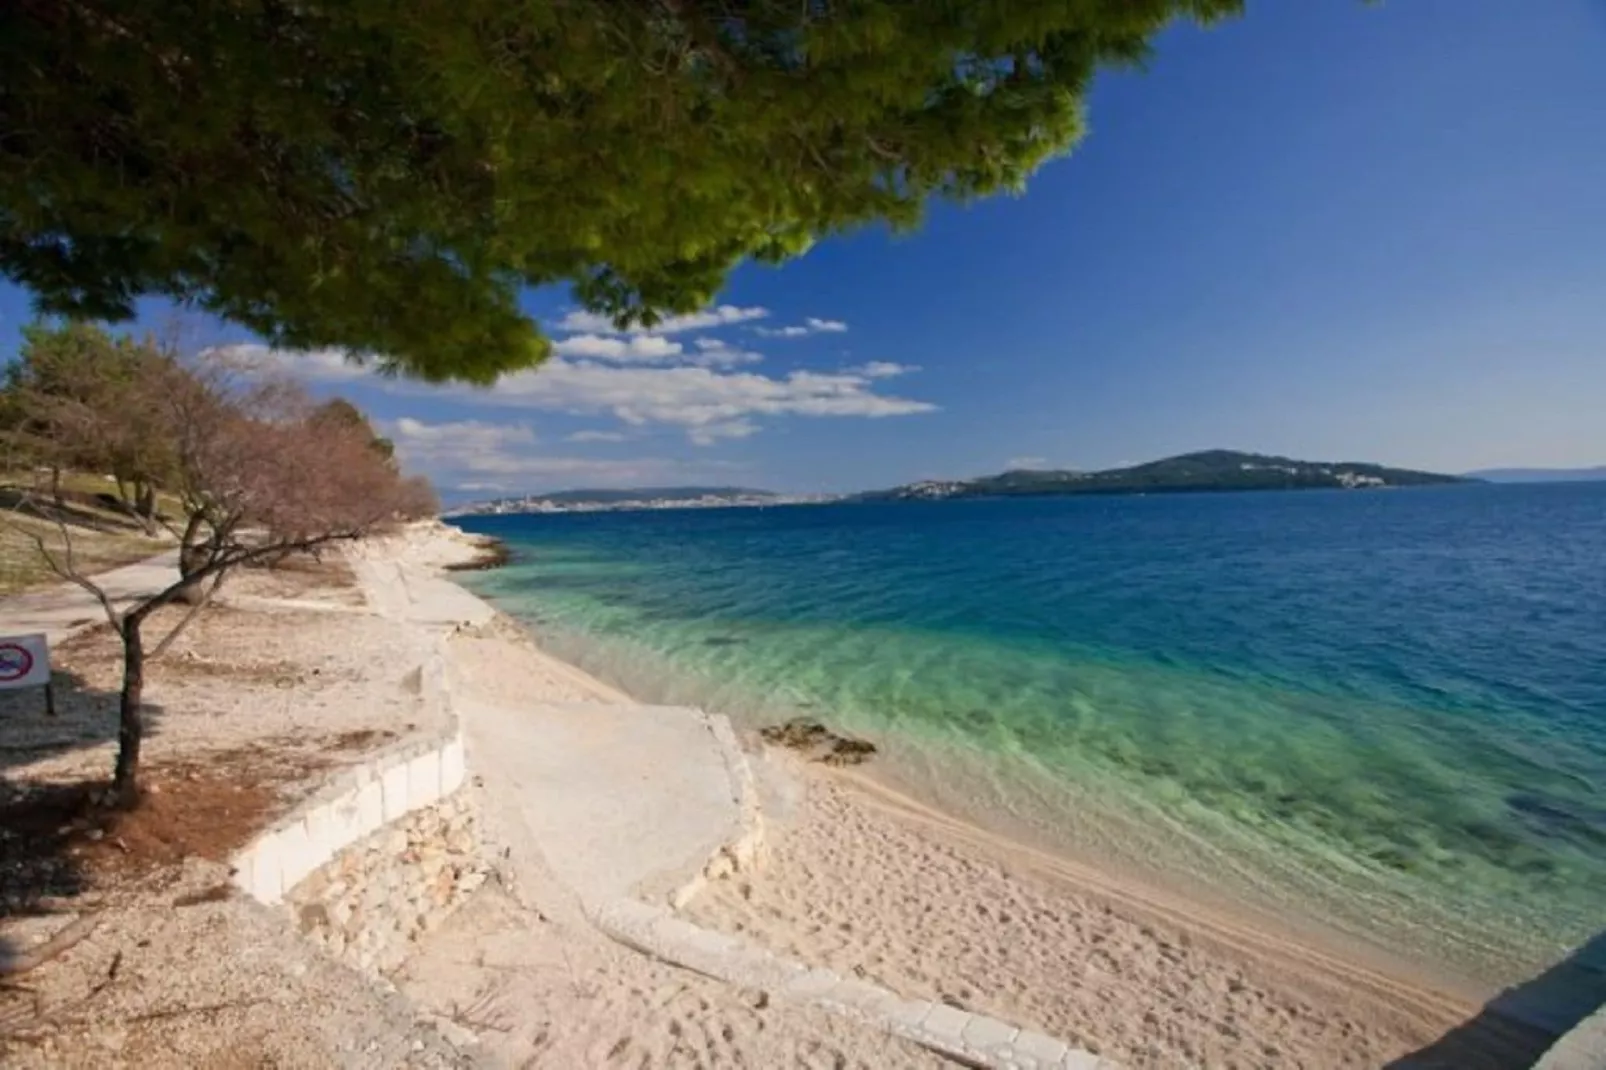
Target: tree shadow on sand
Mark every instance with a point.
(53, 829)
(1519, 1025)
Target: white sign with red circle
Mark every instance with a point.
(24, 661)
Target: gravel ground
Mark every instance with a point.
(174, 976)
(291, 658)
(286, 677)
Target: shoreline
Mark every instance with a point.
(490, 553)
(859, 878)
(1300, 965)
(1245, 928)
(1134, 856)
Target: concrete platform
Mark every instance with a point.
(625, 801)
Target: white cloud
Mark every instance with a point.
(469, 444)
(708, 434)
(693, 397)
(707, 402)
(481, 457)
(810, 325)
(883, 369)
(716, 352)
(637, 347)
(318, 365)
(1026, 462)
(597, 436)
(718, 316)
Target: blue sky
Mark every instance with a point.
(1329, 230)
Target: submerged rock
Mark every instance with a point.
(817, 742)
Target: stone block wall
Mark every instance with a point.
(357, 803)
(381, 853)
(369, 903)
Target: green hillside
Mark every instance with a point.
(1210, 470)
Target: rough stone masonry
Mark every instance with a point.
(374, 899)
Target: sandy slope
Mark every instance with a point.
(865, 881)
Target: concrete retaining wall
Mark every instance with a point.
(355, 804)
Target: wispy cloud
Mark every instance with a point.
(597, 436)
(1015, 463)
(458, 441)
(810, 325)
(693, 397)
(883, 369)
(718, 316)
(320, 365)
(714, 352)
(478, 456)
(708, 434)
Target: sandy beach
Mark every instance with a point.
(870, 882)
(858, 877)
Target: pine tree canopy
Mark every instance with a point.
(384, 177)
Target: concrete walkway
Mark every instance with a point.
(410, 594)
(65, 609)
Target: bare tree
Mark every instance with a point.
(257, 476)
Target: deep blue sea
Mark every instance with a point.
(1385, 709)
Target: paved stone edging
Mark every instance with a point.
(972, 1038)
(744, 849)
(357, 802)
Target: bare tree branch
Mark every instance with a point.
(194, 611)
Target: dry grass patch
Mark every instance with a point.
(22, 566)
(103, 534)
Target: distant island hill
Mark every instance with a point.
(1206, 471)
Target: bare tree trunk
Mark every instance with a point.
(130, 714)
(193, 556)
(145, 505)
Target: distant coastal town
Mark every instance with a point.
(605, 501)
(1206, 471)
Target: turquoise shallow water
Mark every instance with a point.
(1386, 708)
